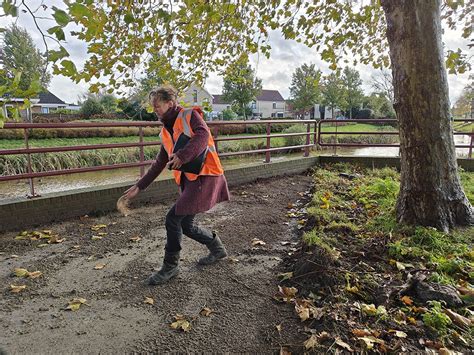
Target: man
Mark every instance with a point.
(199, 191)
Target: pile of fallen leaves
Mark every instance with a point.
(359, 285)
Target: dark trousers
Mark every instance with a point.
(176, 226)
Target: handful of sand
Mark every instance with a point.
(123, 206)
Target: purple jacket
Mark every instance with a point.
(201, 194)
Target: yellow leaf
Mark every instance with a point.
(149, 300)
(181, 324)
(19, 272)
(369, 309)
(370, 340)
(343, 344)
(17, 289)
(278, 327)
(99, 266)
(96, 237)
(411, 320)
(286, 276)
(102, 234)
(34, 274)
(42, 245)
(76, 303)
(135, 239)
(98, 226)
(206, 312)
(311, 342)
(256, 242)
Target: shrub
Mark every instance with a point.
(229, 115)
(91, 107)
(365, 114)
(295, 140)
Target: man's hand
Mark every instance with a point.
(174, 162)
(131, 192)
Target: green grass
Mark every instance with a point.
(463, 127)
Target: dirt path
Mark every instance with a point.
(117, 320)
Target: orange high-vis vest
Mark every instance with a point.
(212, 164)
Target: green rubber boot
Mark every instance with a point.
(217, 252)
(168, 270)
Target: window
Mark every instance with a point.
(274, 105)
(195, 96)
(44, 109)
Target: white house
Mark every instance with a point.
(268, 104)
(196, 95)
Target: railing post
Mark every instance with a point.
(471, 144)
(336, 141)
(30, 170)
(315, 132)
(142, 152)
(308, 139)
(267, 153)
(216, 132)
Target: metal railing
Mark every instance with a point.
(214, 127)
(314, 137)
(335, 133)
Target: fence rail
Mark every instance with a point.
(314, 137)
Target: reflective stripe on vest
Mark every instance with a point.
(212, 165)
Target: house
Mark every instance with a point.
(195, 95)
(48, 103)
(268, 104)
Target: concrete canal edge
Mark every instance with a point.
(23, 213)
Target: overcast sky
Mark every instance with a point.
(275, 72)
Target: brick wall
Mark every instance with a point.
(21, 214)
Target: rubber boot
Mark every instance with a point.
(217, 252)
(168, 270)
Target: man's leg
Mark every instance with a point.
(206, 237)
(174, 233)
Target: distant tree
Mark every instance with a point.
(333, 92)
(109, 103)
(241, 86)
(463, 105)
(305, 90)
(91, 106)
(353, 93)
(379, 104)
(382, 82)
(19, 54)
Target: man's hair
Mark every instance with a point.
(163, 93)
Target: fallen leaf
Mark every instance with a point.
(14, 256)
(411, 320)
(369, 341)
(286, 276)
(34, 274)
(99, 266)
(75, 304)
(181, 323)
(343, 344)
(398, 333)
(17, 289)
(284, 351)
(206, 312)
(42, 245)
(256, 242)
(19, 272)
(285, 294)
(311, 342)
(457, 318)
(98, 226)
(96, 237)
(465, 291)
(135, 239)
(369, 309)
(361, 332)
(278, 327)
(149, 300)
(407, 300)
(55, 240)
(233, 259)
(102, 234)
(290, 205)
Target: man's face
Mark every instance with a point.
(160, 107)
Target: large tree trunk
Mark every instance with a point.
(430, 191)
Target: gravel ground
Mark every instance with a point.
(115, 318)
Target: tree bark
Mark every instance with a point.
(430, 193)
